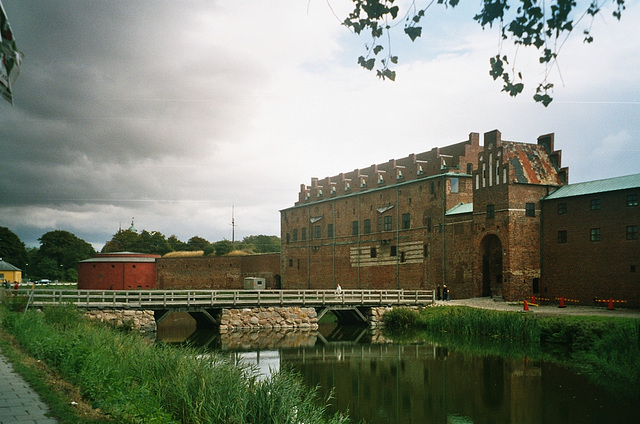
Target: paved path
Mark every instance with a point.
(551, 309)
(19, 404)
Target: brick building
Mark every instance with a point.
(465, 215)
(591, 248)
(118, 271)
(217, 272)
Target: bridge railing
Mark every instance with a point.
(168, 299)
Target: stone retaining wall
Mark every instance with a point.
(268, 318)
(142, 321)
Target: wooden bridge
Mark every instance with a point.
(348, 305)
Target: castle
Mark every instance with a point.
(497, 219)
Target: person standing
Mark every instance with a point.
(338, 289)
(438, 293)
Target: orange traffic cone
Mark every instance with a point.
(526, 306)
(610, 306)
(561, 304)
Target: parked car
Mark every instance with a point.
(43, 281)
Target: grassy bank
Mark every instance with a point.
(605, 348)
(135, 381)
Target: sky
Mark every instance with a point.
(176, 113)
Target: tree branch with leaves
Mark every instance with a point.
(543, 25)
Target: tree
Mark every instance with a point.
(261, 243)
(197, 243)
(63, 249)
(176, 244)
(544, 25)
(12, 249)
(223, 247)
(130, 241)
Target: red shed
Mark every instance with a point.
(118, 271)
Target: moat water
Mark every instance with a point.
(379, 380)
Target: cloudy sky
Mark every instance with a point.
(173, 112)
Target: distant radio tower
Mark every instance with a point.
(233, 225)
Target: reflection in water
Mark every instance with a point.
(382, 382)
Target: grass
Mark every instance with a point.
(134, 381)
(607, 349)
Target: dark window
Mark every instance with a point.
(288, 237)
(595, 204)
(295, 235)
(379, 224)
(426, 250)
(402, 258)
(428, 225)
(317, 231)
(367, 226)
(632, 200)
(406, 221)
(355, 228)
(304, 233)
(562, 208)
(530, 209)
(595, 234)
(374, 252)
(632, 268)
(330, 230)
(393, 251)
(491, 213)
(298, 264)
(290, 263)
(632, 232)
(469, 168)
(562, 236)
(432, 189)
(388, 223)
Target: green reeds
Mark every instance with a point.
(605, 348)
(136, 381)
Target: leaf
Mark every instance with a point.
(394, 59)
(377, 49)
(367, 64)
(413, 32)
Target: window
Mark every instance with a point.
(355, 228)
(379, 224)
(491, 213)
(428, 225)
(530, 209)
(469, 168)
(595, 204)
(388, 223)
(374, 252)
(595, 234)
(317, 230)
(295, 234)
(632, 200)
(406, 221)
(288, 238)
(632, 232)
(367, 226)
(393, 251)
(304, 233)
(290, 263)
(329, 230)
(455, 184)
(562, 208)
(562, 236)
(425, 250)
(402, 258)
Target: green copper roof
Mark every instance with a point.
(598, 186)
(460, 208)
(6, 266)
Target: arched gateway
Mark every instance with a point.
(491, 251)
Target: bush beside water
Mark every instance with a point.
(135, 381)
(605, 348)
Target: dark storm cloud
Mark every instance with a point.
(106, 86)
